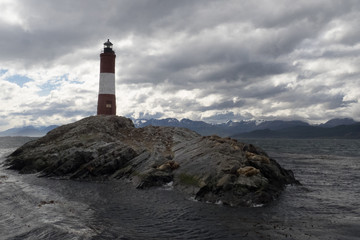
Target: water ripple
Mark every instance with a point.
(324, 207)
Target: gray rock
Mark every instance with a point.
(212, 168)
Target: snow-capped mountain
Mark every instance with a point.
(229, 128)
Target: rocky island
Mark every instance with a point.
(208, 168)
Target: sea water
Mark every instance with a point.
(325, 206)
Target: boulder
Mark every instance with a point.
(248, 171)
(208, 168)
(169, 165)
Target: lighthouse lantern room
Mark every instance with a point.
(106, 98)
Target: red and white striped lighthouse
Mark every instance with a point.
(106, 99)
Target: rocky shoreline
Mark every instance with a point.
(210, 168)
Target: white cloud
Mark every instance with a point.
(10, 15)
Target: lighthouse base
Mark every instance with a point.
(106, 104)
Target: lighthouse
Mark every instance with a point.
(106, 98)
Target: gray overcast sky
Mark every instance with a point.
(204, 60)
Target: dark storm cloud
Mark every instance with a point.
(257, 92)
(188, 68)
(316, 96)
(54, 28)
(278, 52)
(246, 71)
(61, 26)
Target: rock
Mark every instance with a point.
(256, 157)
(153, 178)
(209, 168)
(248, 171)
(169, 165)
(226, 181)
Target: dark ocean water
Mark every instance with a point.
(326, 206)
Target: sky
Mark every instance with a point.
(209, 60)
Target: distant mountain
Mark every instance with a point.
(337, 122)
(342, 131)
(279, 124)
(276, 128)
(200, 127)
(30, 131)
(230, 128)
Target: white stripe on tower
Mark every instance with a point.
(107, 83)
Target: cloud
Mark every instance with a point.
(201, 60)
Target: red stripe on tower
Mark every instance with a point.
(106, 99)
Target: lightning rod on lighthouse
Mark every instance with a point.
(106, 98)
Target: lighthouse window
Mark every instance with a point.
(108, 104)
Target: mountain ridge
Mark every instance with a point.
(351, 131)
(229, 128)
(30, 131)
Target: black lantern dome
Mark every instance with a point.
(108, 46)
